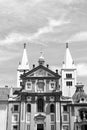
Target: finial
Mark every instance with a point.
(66, 45)
(41, 59)
(24, 45)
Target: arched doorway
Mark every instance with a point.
(84, 127)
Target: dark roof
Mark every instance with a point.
(40, 67)
(4, 93)
(79, 94)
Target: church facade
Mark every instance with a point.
(39, 102)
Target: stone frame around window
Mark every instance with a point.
(14, 107)
(15, 114)
(28, 117)
(52, 117)
(29, 87)
(52, 126)
(67, 116)
(52, 85)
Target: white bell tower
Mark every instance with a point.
(23, 66)
(68, 73)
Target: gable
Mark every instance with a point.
(40, 71)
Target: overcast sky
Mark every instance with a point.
(44, 25)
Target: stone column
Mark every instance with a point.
(57, 115)
(22, 117)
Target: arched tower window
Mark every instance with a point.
(40, 105)
(52, 108)
(28, 108)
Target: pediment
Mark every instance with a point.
(40, 116)
(41, 71)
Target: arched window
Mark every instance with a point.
(52, 108)
(28, 108)
(40, 105)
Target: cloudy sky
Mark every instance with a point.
(44, 25)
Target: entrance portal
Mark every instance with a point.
(84, 127)
(40, 127)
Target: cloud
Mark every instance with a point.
(12, 38)
(52, 23)
(5, 55)
(82, 69)
(78, 37)
(68, 2)
(18, 37)
(15, 38)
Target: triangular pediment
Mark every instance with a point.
(41, 71)
(40, 116)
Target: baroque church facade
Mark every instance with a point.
(39, 102)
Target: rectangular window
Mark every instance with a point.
(15, 117)
(28, 127)
(69, 76)
(52, 85)
(28, 85)
(15, 108)
(65, 118)
(52, 118)
(28, 117)
(15, 127)
(69, 83)
(52, 127)
(65, 108)
(65, 127)
(40, 105)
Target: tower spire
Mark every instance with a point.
(24, 63)
(68, 58)
(23, 66)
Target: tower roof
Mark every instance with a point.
(68, 61)
(79, 93)
(24, 65)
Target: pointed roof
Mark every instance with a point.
(68, 63)
(24, 65)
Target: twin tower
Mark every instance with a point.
(68, 72)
